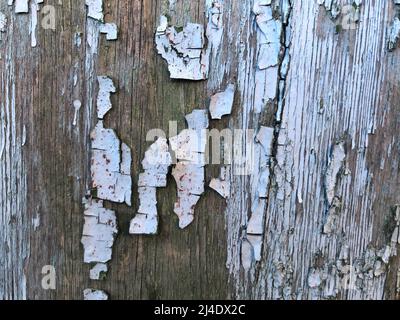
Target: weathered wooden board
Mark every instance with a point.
(341, 90)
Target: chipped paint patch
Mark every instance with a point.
(111, 159)
(106, 87)
(222, 185)
(110, 30)
(21, 6)
(92, 294)
(189, 148)
(222, 103)
(110, 166)
(184, 51)
(98, 271)
(99, 232)
(95, 9)
(156, 165)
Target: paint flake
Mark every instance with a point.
(156, 165)
(99, 231)
(222, 103)
(183, 51)
(95, 9)
(189, 148)
(106, 87)
(110, 165)
(91, 294)
(110, 30)
(222, 184)
(21, 6)
(98, 270)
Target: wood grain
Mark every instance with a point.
(349, 73)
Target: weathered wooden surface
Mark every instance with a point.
(341, 86)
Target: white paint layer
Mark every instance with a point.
(92, 294)
(95, 9)
(184, 51)
(222, 103)
(189, 148)
(110, 30)
(99, 231)
(156, 165)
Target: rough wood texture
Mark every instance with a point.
(341, 89)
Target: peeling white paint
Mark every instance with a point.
(222, 185)
(95, 9)
(99, 232)
(222, 102)
(156, 165)
(21, 6)
(110, 158)
(109, 161)
(110, 30)
(92, 294)
(106, 87)
(98, 271)
(184, 51)
(189, 148)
